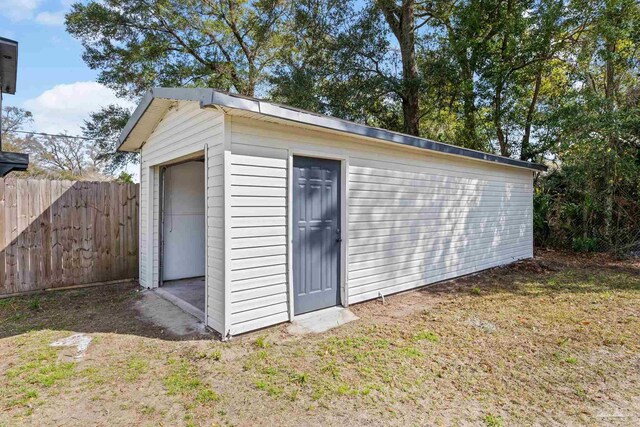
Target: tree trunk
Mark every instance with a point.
(469, 134)
(525, 148)
(497, 120)
(610, 174)
(401, 20)
(411, 79)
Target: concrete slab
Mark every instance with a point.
(152, 307)
(190, 290)
(321, 320)
(180, 303)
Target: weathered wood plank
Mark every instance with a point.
(56, 234)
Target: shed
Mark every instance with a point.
(253, 213)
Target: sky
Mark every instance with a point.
(53, 81)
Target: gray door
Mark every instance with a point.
(316, 233)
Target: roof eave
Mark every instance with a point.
(13, 162)
(213, 98)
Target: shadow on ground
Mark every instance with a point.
(551, 272)
(124, 309)
(118, 309)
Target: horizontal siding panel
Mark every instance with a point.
(259, 221)
(425, 259)
(258, 231)
(256, 242)
(399, 177)
(252, 273)
(379, 258)
(419, 202)
(258, 252)
(258, 181)
(258, 302)
(258, 211)
(261, 312)
(243, 285)
(478, 217)
(403, 283)
(404, 190)
(441, 208)
(259, 192)
(423, 270)
(262, 322)
(253, 161)
(259, 171)
(257, 261)
(419, 242)
(259, 151)
(452, 168)
(259, 292)
(363, 294)
(259, 201)
(437, 223)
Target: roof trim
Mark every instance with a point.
(8, 65)
(13, 162)
(211, 97)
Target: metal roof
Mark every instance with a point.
(8, 65)
(212, 97)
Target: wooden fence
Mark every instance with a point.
(56, 234)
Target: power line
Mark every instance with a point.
(50, 134)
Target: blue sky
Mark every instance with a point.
(53, 81)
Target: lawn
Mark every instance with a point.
(554, 341)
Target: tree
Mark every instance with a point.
(51, 156)
(138, 44)
(595, 129)
(103, 128)
(14, 119)
(401, 18)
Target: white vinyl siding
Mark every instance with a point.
(412, 218)
(258, 214)
(410, 226)
(215, 233)
(183, 132)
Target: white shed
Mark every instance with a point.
(252, 213)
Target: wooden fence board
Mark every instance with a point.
(57, 234)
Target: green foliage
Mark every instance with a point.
(139, 44)
(584, 244)
(125, 178)
(103, 128)
(426, 335)
(34, 303)
(493, 420)
(261, 342)
(591, 201)
(536, 80)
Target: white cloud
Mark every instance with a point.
(23, 10)
(64, 107)
(51, 18)
(18, 10)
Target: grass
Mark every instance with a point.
(549, 342)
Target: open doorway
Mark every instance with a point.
(182, 235)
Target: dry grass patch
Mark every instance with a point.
(556, 341)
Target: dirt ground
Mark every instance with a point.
(555, 341)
